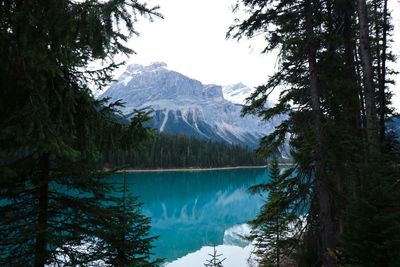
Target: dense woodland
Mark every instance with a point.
(180, 151)
(56, 209)
(340, 204)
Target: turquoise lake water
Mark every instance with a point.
(191, 209)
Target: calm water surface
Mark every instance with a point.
(191, 209)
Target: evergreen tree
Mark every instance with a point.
(372, 219)
(52, 130)
(124, 237)
(215, 260)
(329, 85)
(276, 227)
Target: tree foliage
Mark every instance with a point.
(180, 151)
(278, 226)
(334, 92)
(52, 130)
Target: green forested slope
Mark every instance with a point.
(177, 151)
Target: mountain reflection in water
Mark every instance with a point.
(191, 209)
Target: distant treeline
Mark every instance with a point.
(180, 151)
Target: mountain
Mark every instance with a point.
(236, 93)
(186, 106)
(393, 126)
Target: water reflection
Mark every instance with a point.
(193, 209)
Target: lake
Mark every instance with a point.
(193, 209)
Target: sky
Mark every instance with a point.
(191, 40)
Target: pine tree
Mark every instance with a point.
(52, 130)
(324, 198)
(215, 260)
(276, 227)
(366, 62)
(328, 102)
(124, 237)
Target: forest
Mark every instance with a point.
(56, 209)
(337, 205)
(180, 151)
(340, 204)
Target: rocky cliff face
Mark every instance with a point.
(186, 106)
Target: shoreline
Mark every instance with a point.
(194, 169)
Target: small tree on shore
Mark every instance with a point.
(215, 259)
(270, 229)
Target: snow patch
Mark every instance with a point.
(164, 121)
(236, 235)
(237, 93)
(226, 129)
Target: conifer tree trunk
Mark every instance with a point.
(360, 92)
(355, 103)
(382, 76)
(355, 122)
(328, 233)
(366, 62)
(377, 37)
(43, 194)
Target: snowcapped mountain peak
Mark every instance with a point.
(152, 67)
(182, 105)
(237, 93)
(236, 87)
(133, 70)
(157, 65)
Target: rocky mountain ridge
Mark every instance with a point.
(182, 105)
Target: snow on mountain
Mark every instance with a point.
(236, 235)
(186, 106)
(237, 93)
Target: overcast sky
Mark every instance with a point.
(191, 40)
